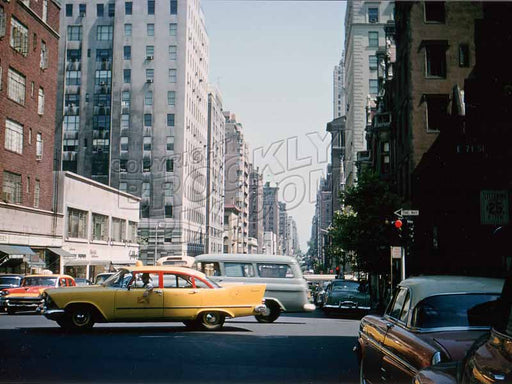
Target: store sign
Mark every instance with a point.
(494, 208)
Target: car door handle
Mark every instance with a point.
(158, 291)
(389, 325)
(192, 292)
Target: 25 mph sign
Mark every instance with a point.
(494, 207)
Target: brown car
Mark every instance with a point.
(489, 360)
(430, 319)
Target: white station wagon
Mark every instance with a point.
(287, 290)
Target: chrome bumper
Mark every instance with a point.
(309, 307)
(52, 314)
(345, 305)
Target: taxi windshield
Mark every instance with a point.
(39, 280)
(120, 279)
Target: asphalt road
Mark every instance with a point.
(297, 348)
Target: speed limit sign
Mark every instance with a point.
(494, 207)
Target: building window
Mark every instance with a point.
(69, 10)
(125, 100)
(40, 102)
(435, 59)
(150, 74)
(127, 52)
(173, 29)
(173, 52)
(103, 77)
(436, 112)
(99, 227)
(174, 7)
(151, 29)
(39, 146)
(148, 98)
(146, 190)
(372, 61)
(151, 7)
(172, 75)
(124, 141)
(71, 123)
(167, 189)
(100, 10)
(73, 77)
(434, 12)
(168, 211)
(146, 143)
(43, 63)
(463, 55)
(373, 39)
(16, 86)
(373, 15)
(148, 119)
(169, 165)
(104, 32)
(150, 50)
(77, 223)
(13, 136)
(111, 9)
(128, 7)
(3, 21)
(11, 188)
(74, 32)
(170, 143)
(19, 37)
(118, 229)
(170, 119)
(128, 30)
(132, 232)
(125, 121)
(127, 75)
(37, 193)
(171, 98)
(82, 9)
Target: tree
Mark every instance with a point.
(360, 227)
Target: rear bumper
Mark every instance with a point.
(347, 305)
(309, 307)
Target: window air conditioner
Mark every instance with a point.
(149, 57)
(149, 80)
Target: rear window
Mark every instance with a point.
(347, 286)
(275, 270)
(460, 310)
(239, 270)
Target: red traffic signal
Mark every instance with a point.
(398, 224)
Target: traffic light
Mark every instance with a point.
(398, 224)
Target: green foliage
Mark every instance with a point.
(360, 227)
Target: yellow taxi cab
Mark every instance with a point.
(153, 293)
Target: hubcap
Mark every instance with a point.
(211, 318)
(81, 318)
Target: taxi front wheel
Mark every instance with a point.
(78, 318)
(211, 320)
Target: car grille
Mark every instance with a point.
(25, 301)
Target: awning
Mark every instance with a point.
(8, 250)
(23, 250)
(60, 252)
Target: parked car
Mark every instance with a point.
(101, 277)
(287, 290)
(28, 296)
(429, 320)
(10, 281)
(173, 294)
(346, 296)
(317, 284)
(489, 360)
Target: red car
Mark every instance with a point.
(28, 296)
(489, 360)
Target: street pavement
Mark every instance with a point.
(297, 348)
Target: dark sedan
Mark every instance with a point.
(430, 319)
(345, 296)
(10, 281)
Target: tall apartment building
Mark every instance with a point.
(29, 34)
(236, 177)
(215, 174)
(133, 103)
(323, 213)
(256, 207)
(271, 210)
(364, 33)
(338, 100)
(283, 229)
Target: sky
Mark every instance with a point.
(273, 63)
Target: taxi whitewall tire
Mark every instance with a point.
(78, 317)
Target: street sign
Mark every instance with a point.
(407, 212)
(396, 252)
(494, 207)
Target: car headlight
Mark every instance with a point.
(4, 293)
(436, 358)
